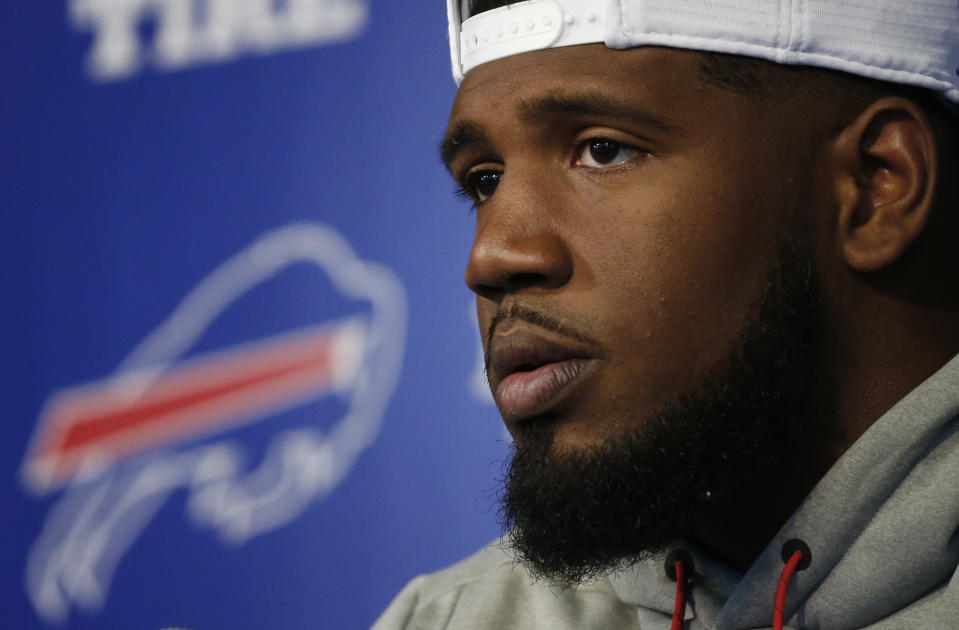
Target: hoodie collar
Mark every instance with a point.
(881, 525)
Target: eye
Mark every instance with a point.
(480, 185)
(603, 153)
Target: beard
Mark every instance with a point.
(575, 515)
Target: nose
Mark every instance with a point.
(516, 248)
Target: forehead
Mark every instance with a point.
(659, 77)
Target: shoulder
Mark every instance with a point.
(491, 590)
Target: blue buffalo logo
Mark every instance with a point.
(117, 448)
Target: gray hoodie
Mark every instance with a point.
(882, 526)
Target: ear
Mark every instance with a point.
(886, 170)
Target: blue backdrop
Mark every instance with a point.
(239, 365)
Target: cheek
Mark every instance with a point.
(676, 272)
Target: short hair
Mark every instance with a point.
(758, 78)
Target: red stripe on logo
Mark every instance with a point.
(99, 424)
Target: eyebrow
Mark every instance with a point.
(593, 104)
(463, 135)
(467, 134)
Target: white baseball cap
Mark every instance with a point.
(914, 42)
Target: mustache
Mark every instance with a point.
(511, 312)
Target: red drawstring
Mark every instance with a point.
(679, 567)
(796, 555)
(679, 610)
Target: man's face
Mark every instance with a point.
(644, 289)
(633, 209)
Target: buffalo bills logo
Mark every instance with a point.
(119, 447)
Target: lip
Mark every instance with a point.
(532, 372)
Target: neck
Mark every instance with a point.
(854, 386)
